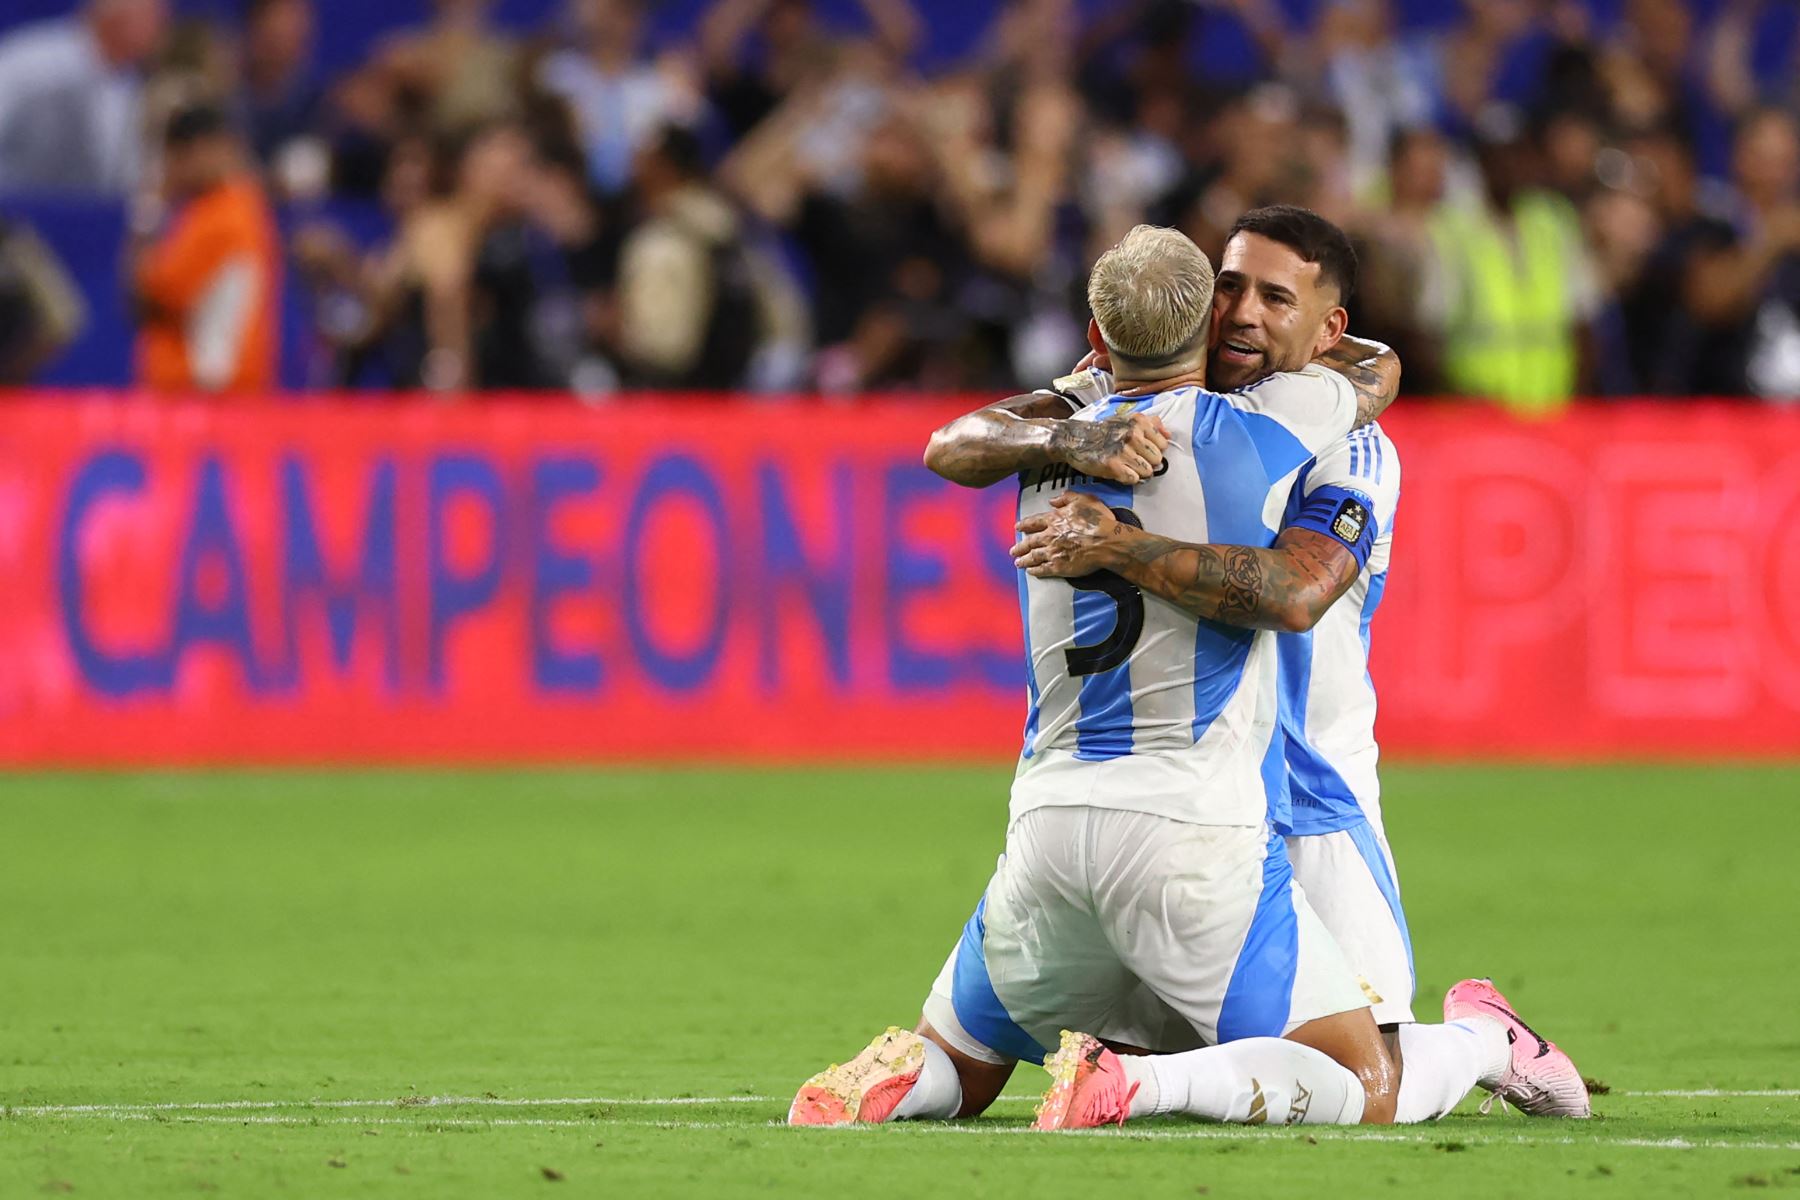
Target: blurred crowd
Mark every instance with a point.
(1545, 205)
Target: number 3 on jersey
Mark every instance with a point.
(1128, 624)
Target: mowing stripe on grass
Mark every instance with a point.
(927, 1128)
(402, 1102)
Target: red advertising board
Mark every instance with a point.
(671, 578)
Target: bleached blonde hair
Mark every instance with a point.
(1152, 295)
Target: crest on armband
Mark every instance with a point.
(1352, 518)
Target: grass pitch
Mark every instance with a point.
(609, 983)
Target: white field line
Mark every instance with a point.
(1721, 1092)
(407, 1102)
(1210, 1133)
(404, 1102)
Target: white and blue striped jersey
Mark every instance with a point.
(1350, 492)
(1135, 703)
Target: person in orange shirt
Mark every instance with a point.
(206, 281)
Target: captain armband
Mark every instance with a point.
(1344, 515)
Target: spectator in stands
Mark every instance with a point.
(942, 225)
(1512, 290)
(366, 322)
(1382, 81)
(500, 277)
(1126, 168)
(41, 310)
(688, 310)
(71, 96)
(457, 74)
(884, 259)
(1572, 139)
(1743, 282)
(1397, 256)
(1481, 60)
(1658, 339)
(1257, 140)
(1319, 175)
(463, 68)
(199, 59)
(756, 52)
(1623, 232)
(281, 95)
(1007, 187)
(541, 282)
(427, 317)
(206, 279)
(620, 99)
(1656, 53)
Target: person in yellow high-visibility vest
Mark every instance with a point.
(1511, 290)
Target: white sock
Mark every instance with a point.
(1440, 1064)
(937, 1096)
(1249, 1082)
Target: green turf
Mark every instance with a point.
(391, 937)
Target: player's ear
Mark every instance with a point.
(1102, 358)
(1332, 331)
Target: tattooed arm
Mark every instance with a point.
(1373, 371)
(1286, 587)
(992, 443)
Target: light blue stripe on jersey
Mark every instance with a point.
(1275, 782)
(982, 1015)
(1366, 458)
(1261, 992)
(1364, 838)
(1372, 601)
(1320, 801)
(1280, 451)
(1239, 456)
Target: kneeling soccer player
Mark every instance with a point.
(968, 1042)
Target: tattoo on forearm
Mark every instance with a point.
(1372, 370)
(1246, 586)
(1243, 588)
(1090, 441)
(991, 443)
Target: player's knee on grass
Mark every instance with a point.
(981, 1081)
(1355, 1042)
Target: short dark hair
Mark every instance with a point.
(1309, 235)
(191, 122)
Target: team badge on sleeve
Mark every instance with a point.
(1351, 519)
(1342, 514)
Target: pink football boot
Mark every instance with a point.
(1087, 1086)
(866, 1089)
(1540, 1080)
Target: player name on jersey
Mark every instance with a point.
(1058, 476)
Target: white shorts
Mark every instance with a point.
(1349, 878)
(1089, 908)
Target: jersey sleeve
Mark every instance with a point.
(1294, 415)
(1082, 388)
(1315, 404)
(1351, 492)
